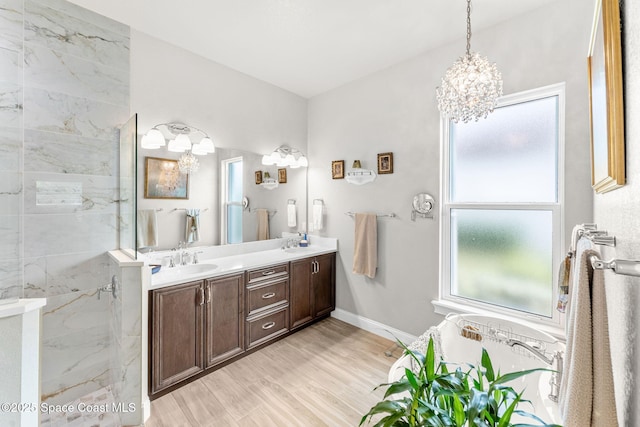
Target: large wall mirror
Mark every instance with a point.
(227, 195)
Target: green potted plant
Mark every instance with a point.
(433, 396)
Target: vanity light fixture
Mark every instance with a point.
(181, 139)
(284, 156)
(471, 86)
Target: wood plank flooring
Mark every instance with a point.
(323, 375)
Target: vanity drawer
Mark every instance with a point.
(267, 295)
(264, 328)
(267, 273)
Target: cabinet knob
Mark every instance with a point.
(269, 325)
(269, 295)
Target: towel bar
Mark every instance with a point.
(618, 266)
(391, 215)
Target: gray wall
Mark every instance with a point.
(617, 212)
(395, 110)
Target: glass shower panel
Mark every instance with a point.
(504, 158)
(503, 257)
(128, 173)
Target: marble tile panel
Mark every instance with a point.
(59, 31)
(86, 15)
(57, 234)
(10, 193)
(66, 193)
(61, 390)
(11, 279)
(64, 153)
(46, 69)
(131, 302)
(11, 238)
(56, 112)
(130, 378)
(75, 313)
(10, 149)
(11, 63)
(11, 16)
(11, 106)
(65, 274)
(63, 355)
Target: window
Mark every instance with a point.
(502, 206)
(232, 196)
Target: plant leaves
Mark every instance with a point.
(398, 387)
(429, 362)
(506, 417)
(486, 364)
(515, 375)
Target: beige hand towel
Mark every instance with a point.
(147, 228)
(587, 396)
(365, 251)
(192, 229)
(263, 224)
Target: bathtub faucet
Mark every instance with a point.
(556, 361)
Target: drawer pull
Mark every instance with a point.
(201, 295)
(268, 325)
(269, 295)
(268, 273)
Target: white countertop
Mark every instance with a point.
(233, 264)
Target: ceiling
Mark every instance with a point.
(308, 46)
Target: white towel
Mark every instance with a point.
(317, 217)
(192, 229)
(291, 215)
(365, 250)
(587, 396)
(147, 228)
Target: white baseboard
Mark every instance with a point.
(373, 326)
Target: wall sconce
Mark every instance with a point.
(268, 183)
(358, 176)
(180, 138)
(284, 156)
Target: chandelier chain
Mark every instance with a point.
(468, 27)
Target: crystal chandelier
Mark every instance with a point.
(471, 86)
(180, 141)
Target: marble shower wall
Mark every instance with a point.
(64, 92)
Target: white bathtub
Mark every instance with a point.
(459, 349)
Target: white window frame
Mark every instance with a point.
(447, 302)
(224, 192)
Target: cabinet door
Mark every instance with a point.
(324, 285)
(176, 334)
(300, 293)
(224, 319)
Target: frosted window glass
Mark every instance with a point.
(235, 181)
(234, 223)
(503, 257)
(511, 156)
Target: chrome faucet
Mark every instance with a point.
(556, 360)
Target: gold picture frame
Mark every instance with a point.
(258, 177)
(606, 105)
(337, 169)
(282, 176)
(163, 179)
(385, 163)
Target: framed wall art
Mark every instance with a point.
(337, 169)
(282, 176)
(163, 179)
(258, 177)
(606, 99)
(385, 163)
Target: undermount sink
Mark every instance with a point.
(194, 268)
(296, 249)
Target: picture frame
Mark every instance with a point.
(258, 175)
(282, 176)
(163, 179)
(606, 105)
(385, 163)
(337, 169)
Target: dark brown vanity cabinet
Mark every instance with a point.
(267, 304)
(312, 289)
(195, 326)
